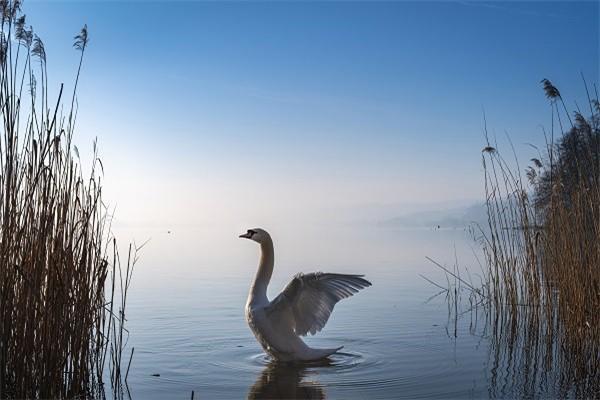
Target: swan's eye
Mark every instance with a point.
(251, 232)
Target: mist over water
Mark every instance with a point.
(401, 337)
(186, 317)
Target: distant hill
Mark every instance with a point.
(450, 218)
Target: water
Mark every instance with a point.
(186, 317)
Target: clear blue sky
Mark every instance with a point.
(279, 111)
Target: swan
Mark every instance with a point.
(303, 307)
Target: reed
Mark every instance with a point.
(62, 287)
(542, 245)
(540, 292)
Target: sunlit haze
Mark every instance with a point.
(239, 114)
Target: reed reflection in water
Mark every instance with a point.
(530, 353)
(528, 357)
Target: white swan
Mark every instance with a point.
(303, 307)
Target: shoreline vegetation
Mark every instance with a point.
(63, 287)
(539, 293)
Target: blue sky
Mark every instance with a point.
(249, 112)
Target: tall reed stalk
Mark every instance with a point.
(542, 245)
(541, 276)
(62, 289)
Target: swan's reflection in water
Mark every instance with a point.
(288, 381)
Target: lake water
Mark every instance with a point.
(186, 317)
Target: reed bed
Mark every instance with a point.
(540, 292)
(62, 288)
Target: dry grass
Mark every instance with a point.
(543, 255)
(540, 293)
(62, 290)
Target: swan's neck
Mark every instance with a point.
(258, 291)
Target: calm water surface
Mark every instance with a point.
(186, 317)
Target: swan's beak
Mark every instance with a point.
(246, 235)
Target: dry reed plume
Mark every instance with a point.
(62, 290)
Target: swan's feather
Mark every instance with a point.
(310, 299)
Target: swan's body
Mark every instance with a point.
(303, 307)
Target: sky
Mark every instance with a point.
(264, 113)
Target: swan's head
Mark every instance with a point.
(257, 234)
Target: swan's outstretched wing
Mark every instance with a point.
(309, 299)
